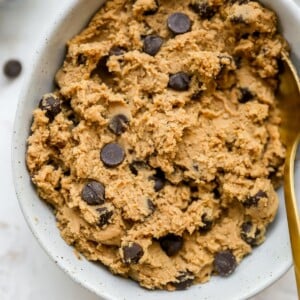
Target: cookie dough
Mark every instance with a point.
(159, 150)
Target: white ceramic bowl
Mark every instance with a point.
(267, 263)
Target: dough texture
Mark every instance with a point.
(160, 155)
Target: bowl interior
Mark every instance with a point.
(267, 263)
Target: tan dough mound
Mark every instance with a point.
(160, 150)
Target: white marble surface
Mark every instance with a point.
(26, 272)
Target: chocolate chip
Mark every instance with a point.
(136, 166)
(51, 104)
(152, 44)
(238, 61)
(238, 20)
(101, 68)
(194, 188)
(117, 51)
(73, 118)
(67, 172)
(81, 59)
(112, 155)
(225, 263)
(132, 253)
(159, 180)
(152, 11)
(253, 200)
(207, 224)
(229, 145)
(151, 206)
(179, 81)
(133, 169)
(196, 95)
(203, 9)
(217, 194)
(159, 184)
(12, 68)
(118, 124)
(246, 95)
(247, 226)
(179, 23)
(256, 34)
(184, 280)
(245, 233)
(93, 193)
(244, 36)
(171, 244)
(105, 216)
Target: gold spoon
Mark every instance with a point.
(289, 105)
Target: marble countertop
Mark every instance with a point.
(26, 272)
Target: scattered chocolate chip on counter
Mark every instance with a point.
(12, 68)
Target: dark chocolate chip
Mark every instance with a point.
(105, 216)
(73, 118)
(194, 188)
(51, 104)
(152, 44)
(101, 67)
(204, 10)
(245, 230)
(253, 200)
(247, 226)
(244, 36)
(81, 59)
(151, 205)
(217, 194)
(159, 184)
(225, 263)
(136, 166)
(229, 146)
(196, 95)
(238, 61)
(118, 124)
(207, 224)
(246, 95)
(179, 81)
(67, 172)
(117, 51)
(179, 23)
(256, 34)
(133, 169)
(184, 280)
(238, 20)
(159, 180)
(171, 244)
(12, 68)
(112, 155)
(132, 253)
(152, 11)
(93, 193)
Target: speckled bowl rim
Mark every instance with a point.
(241, 285)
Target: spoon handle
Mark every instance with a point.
(292, 208)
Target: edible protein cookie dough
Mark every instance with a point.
(159, 150)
